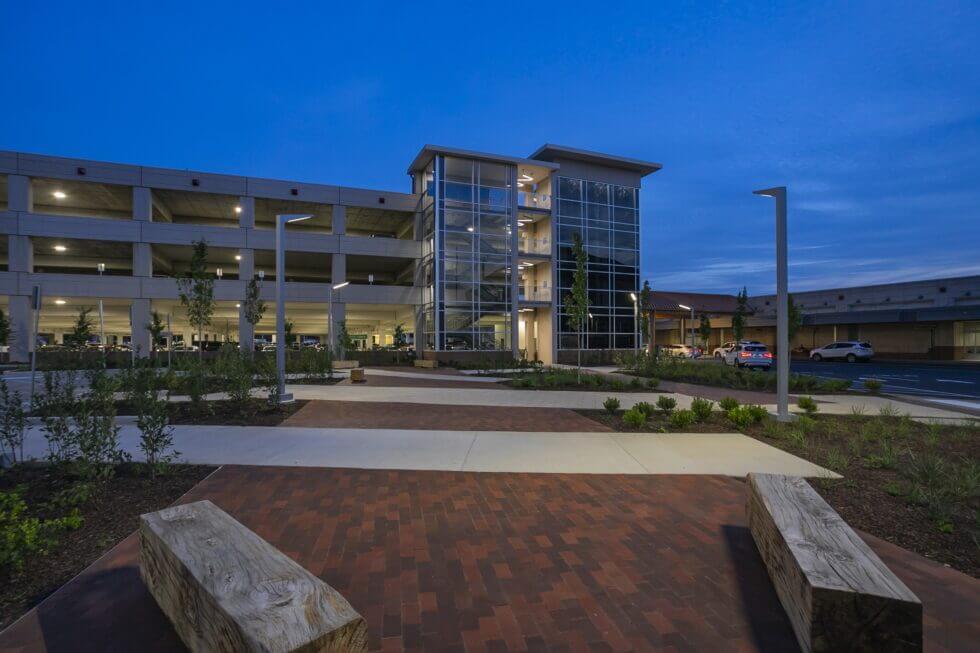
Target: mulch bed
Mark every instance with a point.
(110, 514)
(226, 413)
(862, 497)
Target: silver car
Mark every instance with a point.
(849, 350)
(749, 356)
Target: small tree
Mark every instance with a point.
(399, 337)
(577, 301)
(344, 342)
(81, 331)
(646, 314)
(156, 327)
(4, 329)
(13, 421)
(738, 319)
(196, 288)
(253, 308)
(704, 330)
(287, 330)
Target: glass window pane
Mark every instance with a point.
(496, 199)
(494, 174)
(625, 216)
(570, 209)
(569, 189)
(459, 241)
(460, 170)
(494, 223)
(459, 193)
(599, 212)
(624, 240)
(597, 192)
(625, 196)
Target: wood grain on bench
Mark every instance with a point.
(838, 594)
(226, 589)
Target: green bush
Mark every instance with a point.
(611, 404)
(653, 383)
(236, 375)
(666, 404)
(701, 409)
(21, 536)
(635, 382)
(872, 385)
(740, 417)
(727, 403)
(644, 407)
(807, 405)
(757, 412)
(616, 385)
(634, 417)
(13, 422)
(681, 419)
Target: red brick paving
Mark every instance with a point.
(452, 561)
(394, 415)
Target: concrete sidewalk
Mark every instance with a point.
(487, 451)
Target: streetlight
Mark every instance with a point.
(636, 324)
(689, 308)
(782, 309)
(281, 221)
(101, 268)
(330, 329)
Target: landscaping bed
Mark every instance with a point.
(259, 412)
(916, 485)
(561, 379)
(109, 512)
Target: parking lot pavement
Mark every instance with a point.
(945, 381)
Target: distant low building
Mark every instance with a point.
(935, 319)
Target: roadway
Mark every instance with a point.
(927, 380)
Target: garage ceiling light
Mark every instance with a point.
(238, 209)
(60, 248)
(59, 195)
(60, 302)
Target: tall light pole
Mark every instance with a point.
(691, 326)
(101, 269)
(281, 221)
(331, 341)
(782, 305)
(636, 324)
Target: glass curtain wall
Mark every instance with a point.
(473, 225)
(426, 270)
(606, 217)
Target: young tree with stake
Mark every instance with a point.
(577, 301)
(196, 288)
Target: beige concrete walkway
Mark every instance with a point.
(731, 454)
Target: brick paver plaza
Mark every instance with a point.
(453, 561)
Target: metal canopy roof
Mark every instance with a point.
(428, 151)
(549, 152)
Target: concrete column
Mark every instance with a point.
(21, 328)
(338, 269)
(246, 219)
(140, 314)
(142, 260)
(246, 271)
(338, 223)
(20, 195)
(142, 204)
(339, 315)
(21, 254)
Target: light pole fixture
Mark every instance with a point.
(691, 327)
(101, 268)
(330, 330)
(219, 272)
(636, 323)
(281, 221)
(782, 304)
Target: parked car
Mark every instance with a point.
(756, 355)
(726, 347)
(181, 347)
(849, 350)
(681, 351)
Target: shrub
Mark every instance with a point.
(13, 422)
(681, 419)
(634, 417)
(236, 375)
(653, 383)
(616, 385)
(727, 403)
(97, 434)
(269, 379)
(152, 420)
(807, 405)
(757, 413)
(316, 365)
(611, 404)
(644, 407)
(635, 382)
(666, 404)
(56, 406)
(837, 460)
(701, 409)
(872, 385)
(194, 382)
(740, 417)
(22, 536)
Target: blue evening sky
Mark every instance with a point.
(868, 112)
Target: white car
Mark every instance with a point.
(749, 356)
(726, 347)
(849, 350)
(680, 351)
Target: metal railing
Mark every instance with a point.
(535, 294)
(534, 246)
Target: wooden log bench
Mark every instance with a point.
(226, 589)
(837, 592)
(357, 375)
(422, 362)
(345, 364)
